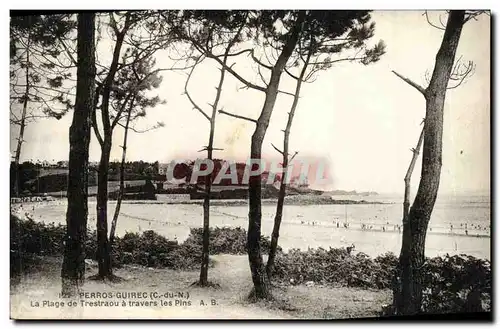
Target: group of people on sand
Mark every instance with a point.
(465, 227)
(397, 227)
(308, 223)
(32, 199)
(364, 227)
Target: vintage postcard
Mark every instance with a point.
(250, 164)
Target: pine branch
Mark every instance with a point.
(186, 92)
(237, 116)
(277, 149)
(411, 83)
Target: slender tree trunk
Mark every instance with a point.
(122, 181)
(282, 192)
(20, 139)
(103, 249)
(413, 246)
(259, 276)
(208, 183)
(277, 221)
(262, 286)
(397, 294)
(206, 214)
(407, 179)
(73, 267)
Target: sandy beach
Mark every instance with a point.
(372, 228)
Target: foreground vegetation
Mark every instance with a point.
(451, 284)
(34, 239)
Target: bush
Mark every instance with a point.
(451, 284)
(335, 266)
(32, 239)
(227, 240)
(458, 283)
(147, 249)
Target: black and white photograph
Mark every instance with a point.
(250, 164)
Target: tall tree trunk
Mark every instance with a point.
(73, 267)
(262, 286)
(20, 138)
(282, 192)
(413, 246)
(103, 250)
(122, 180)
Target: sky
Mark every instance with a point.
(362, 120)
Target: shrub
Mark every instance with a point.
(226, 240)
(32, 239)
(335, 266)
(451, 284)
(458, 283)
(129, 241)
(29, 240)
